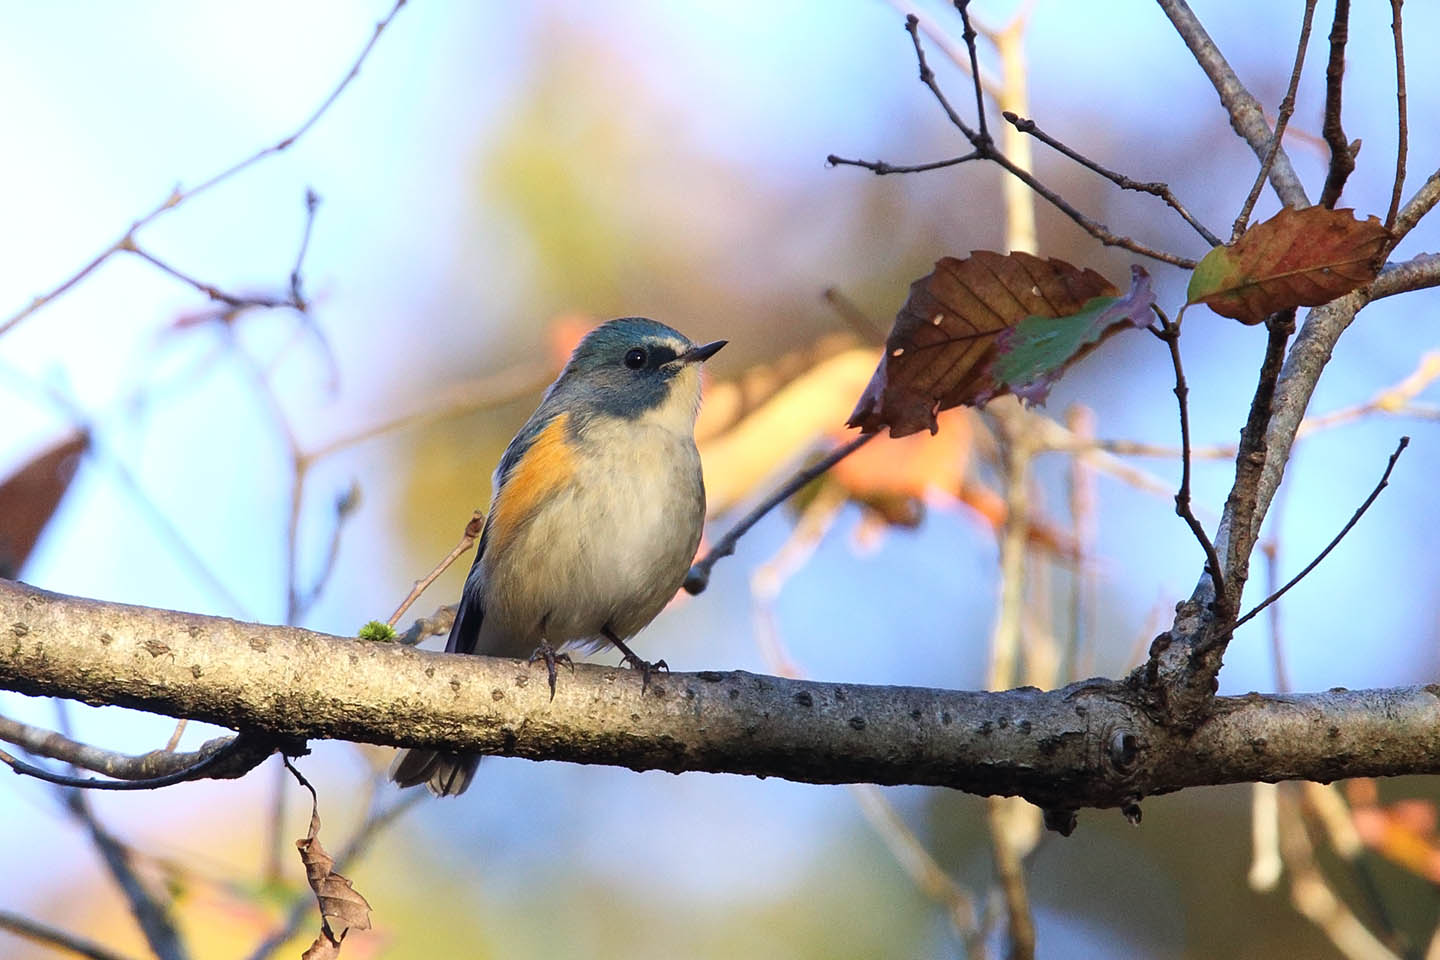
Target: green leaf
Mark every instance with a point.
(1031, 356)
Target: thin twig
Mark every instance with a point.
(1398, 29)
(297, 296)
(699, 576)
(221, 754)
(1247, 117)
(1010, 871)
(856, 319)
(1155, 189)
(1342, 158)
(175, 735)
(467, 538)
(152, 916)
(1169, 334)
(1384, 481)
(1287, 107)
(179, 195)
(47, 743)
(1417, 206)
(985, 150)
(766, 583)
(233, 300)
(968, 35)
(985, 147)
(1084, 519)
(880, 168)
(436, 625)
(345, 505)
(57, 939)
(100, 453)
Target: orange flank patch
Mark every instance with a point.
(548, 464)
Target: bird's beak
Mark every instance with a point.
(702, 353)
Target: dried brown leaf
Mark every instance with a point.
(30, 496)
(342, 908)
(1297, 258)
(939, 351)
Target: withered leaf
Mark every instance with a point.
(1030, 356)
(342, 908)
(939, 351)
(1297, 258)
(30, 496)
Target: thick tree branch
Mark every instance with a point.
(1089, 744)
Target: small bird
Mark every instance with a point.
(596, 514)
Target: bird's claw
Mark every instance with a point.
(547, 653)
(646, 668)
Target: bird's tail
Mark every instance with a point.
(445, 774)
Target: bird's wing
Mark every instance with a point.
(536, 464)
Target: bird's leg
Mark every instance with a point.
(634, 662)
(547, 653)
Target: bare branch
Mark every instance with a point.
(1169, 334)
(880, 168)
(985, 150)
(1155, 189)
(1287, 107)
(1402, 121)
(1342, 157)
(179, 195)
(223, 758)
(699, 576)
(968, 35)
(1096, 743)
(156, 763)
(51, 937)
(1247, 116)
(1417, 206)
(468, 537)
(1354, 519)
(152, 916)
(1418, 273)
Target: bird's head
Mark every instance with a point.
(634, 368)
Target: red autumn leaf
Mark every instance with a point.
(939, 351)
(1297, 258)
(30, 496)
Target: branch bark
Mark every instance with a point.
(1089, 744)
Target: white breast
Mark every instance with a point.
(611, 550)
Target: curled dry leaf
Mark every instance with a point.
(940, 352)
(1297, 258)
(341, 906)
(30, 496)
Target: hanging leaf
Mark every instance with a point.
(940, 351)
(1297, 258)
(1030, 357)
(30, 496)
(342, 908)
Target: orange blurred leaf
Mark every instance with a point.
(31, 495)
(940, 351)
(1297, 258)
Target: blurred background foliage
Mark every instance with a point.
(498, 177)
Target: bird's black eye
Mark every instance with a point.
(635, 358)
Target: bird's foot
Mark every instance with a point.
(645, 667)
(547, 653)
